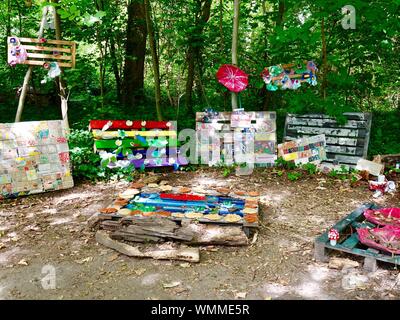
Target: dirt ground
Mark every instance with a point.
(50, 230)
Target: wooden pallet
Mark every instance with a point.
(349, 242)
(345, 143)
(215, 139)
(138, 136)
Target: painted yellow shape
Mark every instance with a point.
(131, 134)
(290, 156)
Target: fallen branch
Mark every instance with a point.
(164, 252)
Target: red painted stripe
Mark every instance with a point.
(182, 197)
(136, 124)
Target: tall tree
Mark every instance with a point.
(195, 44)
(135, 52)
(235, 36)
(154, 56)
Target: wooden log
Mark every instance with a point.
(159, 229)
(160, 253)
(207, 234)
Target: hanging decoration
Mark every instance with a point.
(17, 53)
(289, 76)
(232, 77)
(54, 71)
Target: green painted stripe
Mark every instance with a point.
(110, 144)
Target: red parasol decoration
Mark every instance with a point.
(232, 78)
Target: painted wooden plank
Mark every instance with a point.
(98, 134)
(226, 116)
(340, 141)
(60, 42)
(292, 129)
(351, 241)
(326, 123)
(44, 56)
(45, 48)
(345, 150)
(40, 63)
(136, 124)
(128, 143)
(342, 158)
(349, 115)
(365, 253)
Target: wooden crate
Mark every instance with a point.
(215, 139)
(60, 51)
(349, 242)
(345, 144)
(137, 136)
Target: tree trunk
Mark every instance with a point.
(194, 50)
(114, 63)
(135, 52)
(235, 36)
(154, 56)
(61, 82)
(324, 61)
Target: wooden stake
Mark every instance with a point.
(28, 74)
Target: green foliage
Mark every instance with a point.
(84, 161)
(310, 168)
(294, 175)
(282, 163)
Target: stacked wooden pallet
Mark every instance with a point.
(345, 143)
(152, 143)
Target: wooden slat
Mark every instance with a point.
(326, 123)
(351, 241)
(59, 42)
(136, 124)
(40, 63)
(327, 131)
(48, 56)
(73, 51)
(348, 115)
(98, 134)
(226, 116)
(110, 144)
(342, 158)
(44, 48)
(345, 150)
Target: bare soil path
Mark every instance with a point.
(50, 229)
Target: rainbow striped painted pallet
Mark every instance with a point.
(348, 241)
(153, 143)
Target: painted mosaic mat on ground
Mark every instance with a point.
(241, 209)
(34, 158)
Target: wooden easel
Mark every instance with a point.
(39, 52)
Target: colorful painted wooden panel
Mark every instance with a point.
(305, 150)
(254, 133)
(202, 208)
(34, 158)
(345, 143)
(37, 52)
(143, 144)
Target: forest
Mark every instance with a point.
(145, 59)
